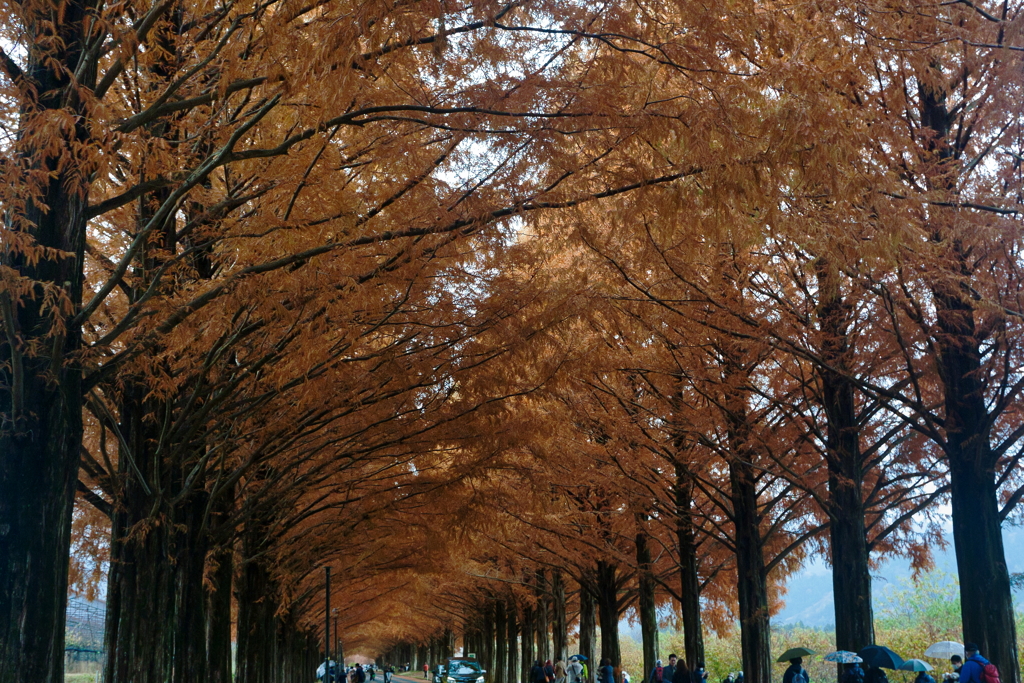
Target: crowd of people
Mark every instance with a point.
(357, 673)
(976, 669)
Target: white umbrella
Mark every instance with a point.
(322, 669)
(944, 649)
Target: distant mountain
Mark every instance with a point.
(810, 602)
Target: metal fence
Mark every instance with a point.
(83, 648)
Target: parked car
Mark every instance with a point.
(461, 671)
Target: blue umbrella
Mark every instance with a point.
(843, 657)
(880, 656)
(915, 665)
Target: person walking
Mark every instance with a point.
(549, 670)
(605, 672)
(796, 673)
(537, 674)
(853, 673)
(875, 674)
(670, 670)
(426, 668)
(561, 675)
(976, 667)
(574, 670)
(681, 674)
(957, 662)
(657, 673)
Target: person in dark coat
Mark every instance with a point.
(796, 673)
(970, 672)
(669, 671)
(876, 675)
(606, 672)
(537, 674)
(682, 674)
(853, 673)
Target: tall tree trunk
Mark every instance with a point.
(543, 617)
(588, 627)
(985, 596)
(513, 645)
(256, 652)
(41, 401)
(141, 579)
(559, 627)
(647, 607)
(138, 647)
(191, 543)
(528, 642)
(608, 611)
(489, 635)
(498, 665)
(751, 575)
(218, 618)
(851, 577)
(689, 568)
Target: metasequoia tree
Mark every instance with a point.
(934, 182)
(160, 156)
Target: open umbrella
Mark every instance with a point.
(915, 665)
(794, 652)
(580, 657)
(944, 649)
(843, 657)
(880, 656)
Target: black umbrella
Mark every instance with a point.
(880, 656)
